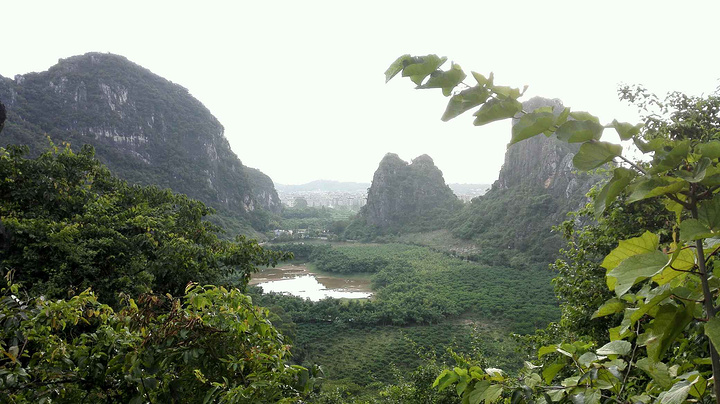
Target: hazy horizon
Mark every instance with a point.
(300, 90)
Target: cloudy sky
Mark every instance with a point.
(299, 85)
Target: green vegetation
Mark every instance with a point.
(159, 349)
(68, 228)
(499, 223)
(414, 285)
(317, 222)
(72, 225)
(665, 288)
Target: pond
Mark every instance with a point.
(298, 280)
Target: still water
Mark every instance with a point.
(297, 280)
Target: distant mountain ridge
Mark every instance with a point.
(347, 186)
(145, 128)
(324, 186)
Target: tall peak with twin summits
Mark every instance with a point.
(406, 195)
(145, 128)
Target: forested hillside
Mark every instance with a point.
(147, 130)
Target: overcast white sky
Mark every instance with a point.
(299, 85)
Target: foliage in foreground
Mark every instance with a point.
(664, 349)
(66, 224)
(212, 345)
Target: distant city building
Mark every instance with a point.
(329, 199)
(356, 199)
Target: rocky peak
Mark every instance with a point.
(403, 193)
(542, 161)
(147, 129)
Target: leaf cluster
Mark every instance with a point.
(212, 345)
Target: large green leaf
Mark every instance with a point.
(657, 370)
(417, 68)
(465, 100)
(579, 131)
(611, 306)
(447, 80)
(646, 243)
(712, 176)
(709, 213)
(550, 371)
(681, 260)
(706, 225)
(619, 347)
(699, 171)
(592, 396)
(677, 393)
(587, 358)
(492, 393)
(626, 130)
(712, 330)
(620, 180)
(693, 229)
(655, 297)
(650, 187)
(504, 92)
(670, 155)
(531, 124)
(593, 154)
(478, 393)
(669, 323)
(482, 80)
(545, 350)
(710, 149)
(584, 116)
(396, 67)
(445, 379)
(635, 269)
(495, 110)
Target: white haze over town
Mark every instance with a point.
(299, 85)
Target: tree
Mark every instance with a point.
(212, 345)
(580, 285)
(665, 290)
(67, 226)
(72, 225)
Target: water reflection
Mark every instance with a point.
(297, 280)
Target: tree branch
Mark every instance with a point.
(633, 165)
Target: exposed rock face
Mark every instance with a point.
(543, 161)
(148, 130)
(536, 187)
(403, 193)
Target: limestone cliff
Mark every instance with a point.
(147, 129)
(543, 161)
(408, 197)
(536, 188)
